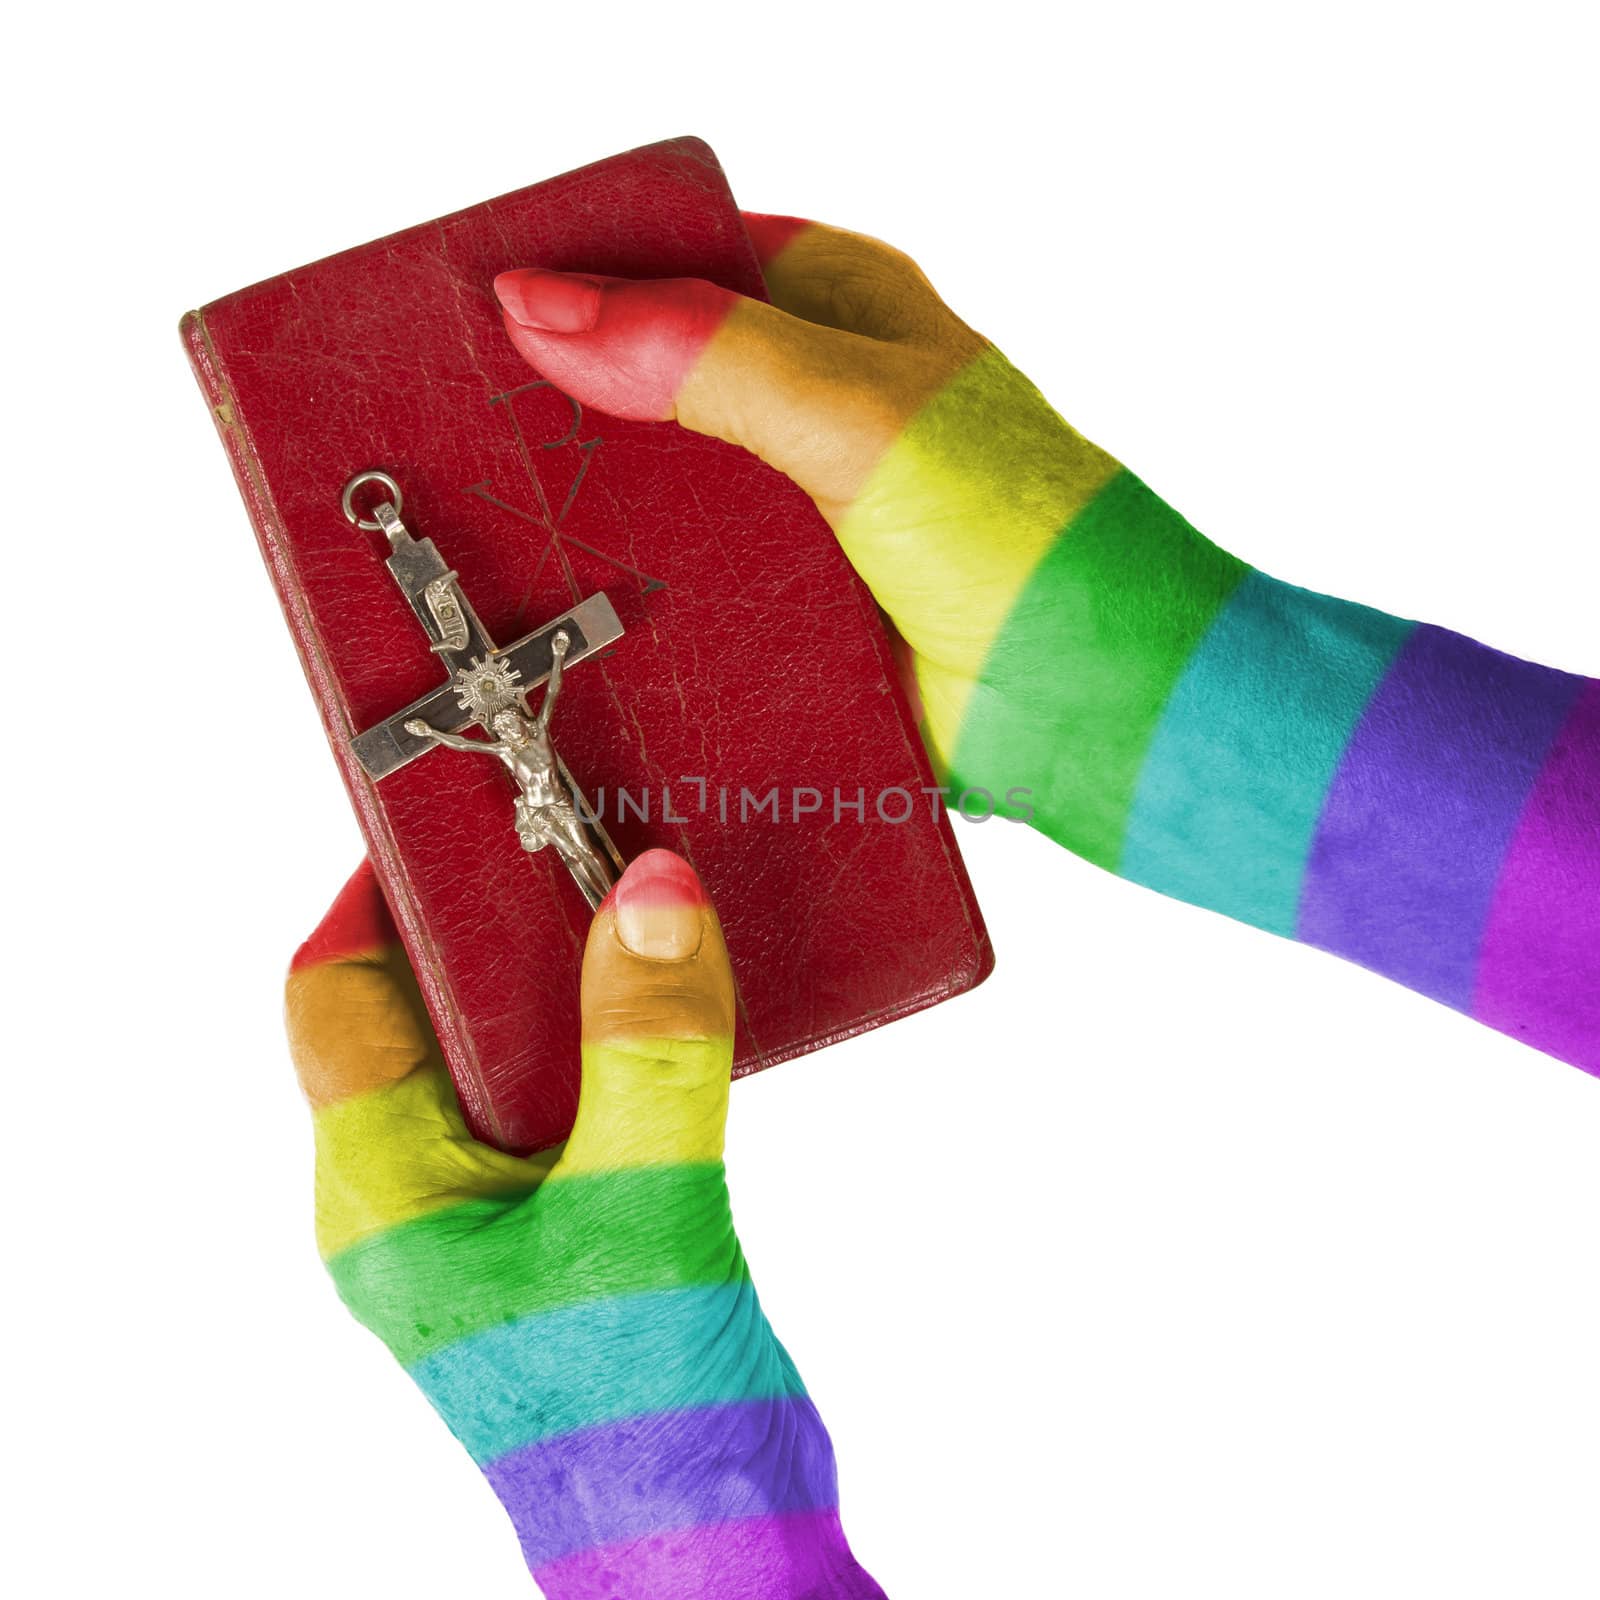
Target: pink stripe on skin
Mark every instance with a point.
(782, 1558)
(658, 906)
(626, 346)
(1539, 965)
(656, 878)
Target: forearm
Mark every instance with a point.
(697, 1477)
(645, 1432)
(1389, 791)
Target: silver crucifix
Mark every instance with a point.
(489, 688)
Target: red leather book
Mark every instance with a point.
(752, 659)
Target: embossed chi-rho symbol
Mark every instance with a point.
(543, 513)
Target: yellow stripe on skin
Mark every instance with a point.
(943, 697)
(401, 1151)
(657, 1044)
(781, 388)
(391, 1143)
(944, 472)
(956, 516)
(649, 1103)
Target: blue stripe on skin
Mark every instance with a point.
(1235, 778)
(558, 1371)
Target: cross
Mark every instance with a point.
(551, 521)
(457, 635)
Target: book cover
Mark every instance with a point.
(749, 717)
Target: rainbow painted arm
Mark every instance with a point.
(583, 1321)
(1389, 791)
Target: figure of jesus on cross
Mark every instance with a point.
(489, 687)
(546, 814)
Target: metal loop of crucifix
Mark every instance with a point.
(488, 688)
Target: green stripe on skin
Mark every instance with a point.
(954, 520)
(1074, 684)
(452, 1273)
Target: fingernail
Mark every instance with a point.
(554, 302)
(659, 907)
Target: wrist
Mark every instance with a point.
(1235, 773)
(1075, 681)
(955, 517)
(706, 1472)
(1390, 791)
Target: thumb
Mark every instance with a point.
(658, 1005)
(820, 403)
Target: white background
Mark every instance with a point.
(1176, 1260)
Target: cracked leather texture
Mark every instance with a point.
(753, 655)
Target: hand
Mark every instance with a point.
(1386, 790)
(583, 1320)
(420, 728)
(822, 384)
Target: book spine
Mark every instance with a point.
(454, 1037)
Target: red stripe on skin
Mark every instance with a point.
(356, 924)
(641, 343)
(657, 878)
(772, 235)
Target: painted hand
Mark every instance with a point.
(1389, 791)
(583, 1320)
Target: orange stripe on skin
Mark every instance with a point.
(655, 966)
(820, 404)
(356, 1023)
(857, 284)
(819, 384)
(657, 1026)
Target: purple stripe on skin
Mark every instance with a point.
(1539, 977)
(800, 1555)
(1422, 809)
(670, 1469)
